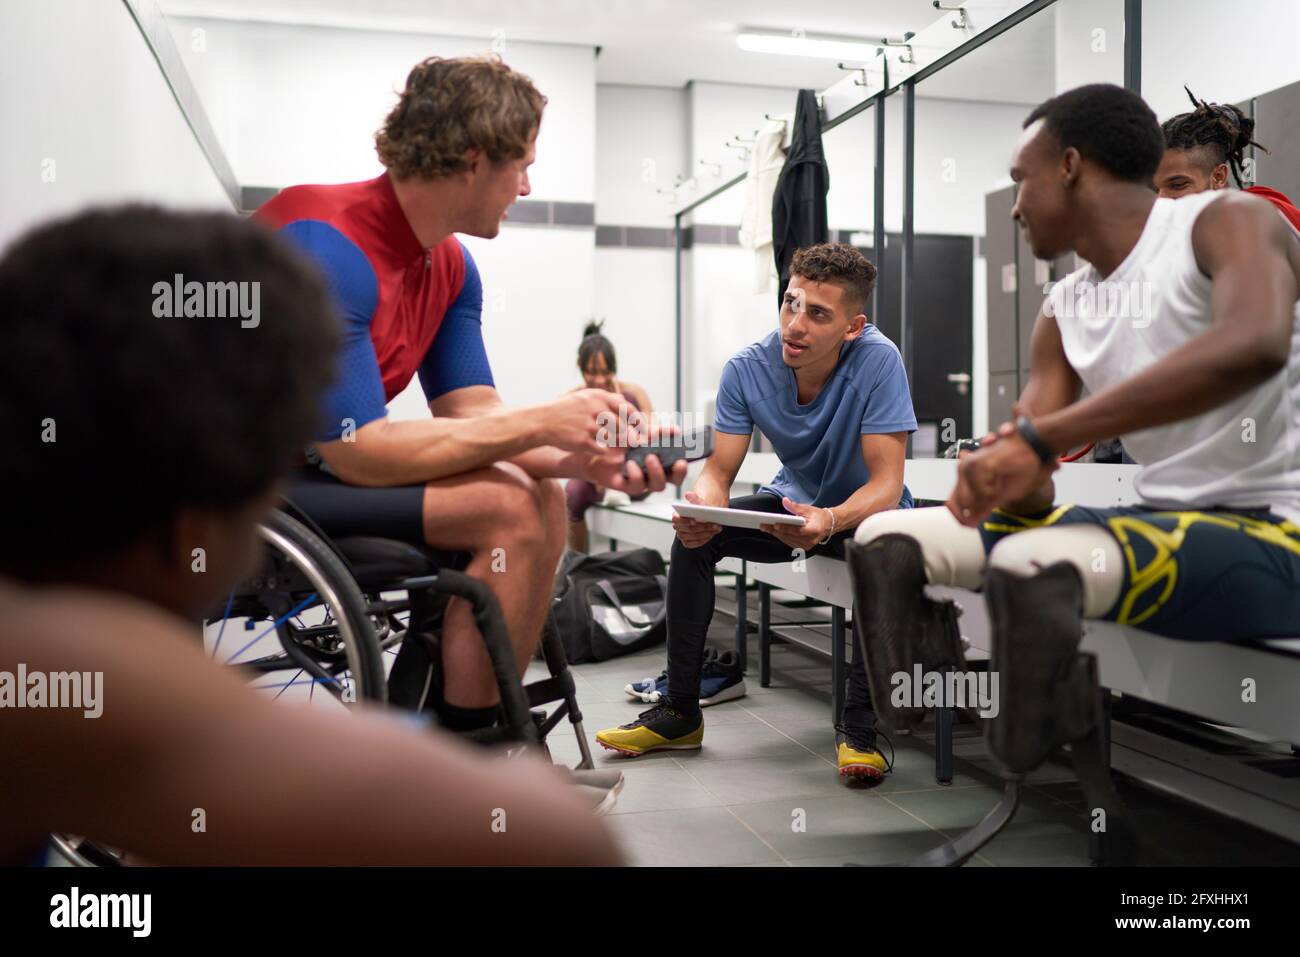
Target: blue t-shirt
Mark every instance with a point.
(820, 443)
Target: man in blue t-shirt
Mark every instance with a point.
(830, 393)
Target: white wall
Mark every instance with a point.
(1090, 41)
(963, 150)
(1226, 53)
(80, 90)
(718, 112)
(640, 149)
(300, 104)
(634, 294)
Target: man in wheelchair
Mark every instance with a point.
(478, 478)
(144, 451)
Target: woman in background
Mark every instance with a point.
(598, 365)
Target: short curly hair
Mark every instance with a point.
(116, 419)
(841, 264)
(452, 106)
(1109, 125)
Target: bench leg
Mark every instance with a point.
(1097, 840)
(838, 673)
(764, 635)
(742, 620)
(943, 718)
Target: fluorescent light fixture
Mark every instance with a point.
(794, 44)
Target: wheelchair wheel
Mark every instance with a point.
(300, 626)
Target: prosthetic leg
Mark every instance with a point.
(1050, 697)
(898, 625)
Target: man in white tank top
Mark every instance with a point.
(1182, 327)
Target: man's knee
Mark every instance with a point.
(953, 553)
(681, 555)
(1030, 551)
(892, 521)
(511, 507)
(1092, 551)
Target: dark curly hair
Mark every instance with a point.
(1109, 125)
(452, 106)
(148, 414)
(1223, 129)
(841, 264)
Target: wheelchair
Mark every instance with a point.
(326, 613)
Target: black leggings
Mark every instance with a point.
(691, 599)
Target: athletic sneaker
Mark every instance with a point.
(652, 690)
(648, 690)
(856, 754)
(662, 728)
(721, 679)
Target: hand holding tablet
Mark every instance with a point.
(735, 517)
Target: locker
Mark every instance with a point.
(1000, 263)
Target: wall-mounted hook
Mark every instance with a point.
(717, 167)
(963, 19)
(907, 56)
(855, 69)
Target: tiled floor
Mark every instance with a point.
(763, 791)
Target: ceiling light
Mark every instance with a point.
(795, 44)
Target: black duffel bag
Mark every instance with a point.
(610, 604)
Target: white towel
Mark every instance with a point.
(765, 162)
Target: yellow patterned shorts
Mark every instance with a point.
(1208, 575)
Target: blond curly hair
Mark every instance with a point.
(452, 106)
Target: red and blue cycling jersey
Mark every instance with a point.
(406, 310)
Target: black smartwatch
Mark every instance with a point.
(1030, 434)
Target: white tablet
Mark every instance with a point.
(737, 517)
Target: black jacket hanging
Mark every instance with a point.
(799, 205)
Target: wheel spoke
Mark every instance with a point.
(224, 618)
(274, 625)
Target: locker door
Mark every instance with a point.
(1034, 275)
(1003, 391)
(1277, 126)
(1000, 263)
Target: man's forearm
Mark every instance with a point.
(712, 486)
(1201, 375)
(408, 453)
(549, 462)
(877, 495)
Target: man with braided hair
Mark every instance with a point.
(1183, 326)
(1202, 147)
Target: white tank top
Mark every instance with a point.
(1245, 453)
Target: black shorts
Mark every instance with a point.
(343, 511)
(1209, 575)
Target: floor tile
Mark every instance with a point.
(691, 837)
(847, 826)
(662, 787)
(752, 780)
